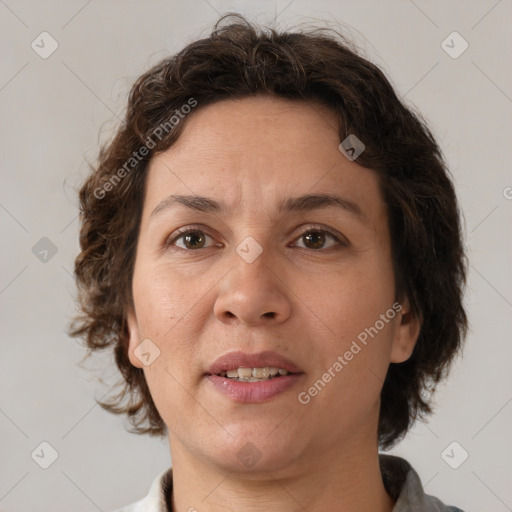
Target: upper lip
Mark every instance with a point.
(235, 360)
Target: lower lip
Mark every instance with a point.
(254, 392)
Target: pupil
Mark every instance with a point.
(314, 240)
(194, 240)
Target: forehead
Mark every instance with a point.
(253, 153)
(255, 122)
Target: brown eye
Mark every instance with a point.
(192, 239)
(314, 239)
(317, 239)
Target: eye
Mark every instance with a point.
(191, 239)
(317, 239)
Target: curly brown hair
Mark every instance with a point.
(238, 60)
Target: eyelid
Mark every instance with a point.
(341, 239)
(191, 228)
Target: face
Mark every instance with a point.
(262, 246)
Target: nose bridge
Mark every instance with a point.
(252, 292)
(252, 271)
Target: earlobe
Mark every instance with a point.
(406, 334)
(133, 339)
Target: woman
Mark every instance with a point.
(271, 246)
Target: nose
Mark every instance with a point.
(253, 293)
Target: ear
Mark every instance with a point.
(133, 338)
(406, 333)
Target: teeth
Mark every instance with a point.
(244, 373)
(254, 374)
(260, 373)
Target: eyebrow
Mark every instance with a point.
(311, 202)
(304, 203)
(198, 203)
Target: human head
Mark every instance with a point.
(238, 61)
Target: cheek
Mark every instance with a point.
(349, 300)
(351, 357)
(168, 313)
(349, 304)
(164, 301)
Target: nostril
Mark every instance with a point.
(270, 314)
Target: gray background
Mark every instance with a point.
(54, 111)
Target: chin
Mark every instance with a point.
(251, 454)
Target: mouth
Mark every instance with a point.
(254, 374)
(253, 377)
(243, 367)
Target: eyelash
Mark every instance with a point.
(198, 229)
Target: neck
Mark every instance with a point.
(345, 480)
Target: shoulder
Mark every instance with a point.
(404, 485)
(155, 501)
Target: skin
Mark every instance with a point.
(302, 299)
